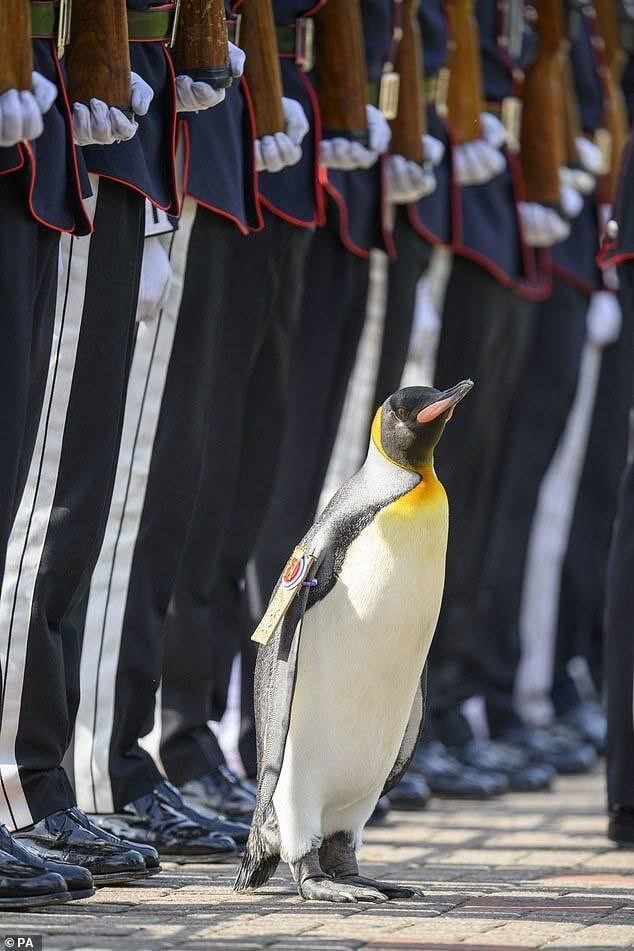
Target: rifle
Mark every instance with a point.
(262, 67)
(465, 97)
(614, 109)
(572, 119)
(201, 44)
(16, 52)
(408, 127)
(98, 55)
(543, 135)
(340, 69)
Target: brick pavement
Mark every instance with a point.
(524, 872)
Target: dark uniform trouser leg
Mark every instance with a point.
(28, 281)
(178, 374)
(485, 334)
(74, 458)
(332, 318)
(540, 409)
(403, 273)
(244, 415)
(582, 594)
(619, 644)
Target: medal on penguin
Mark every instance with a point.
(340, 675)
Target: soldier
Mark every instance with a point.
(487, 325)
(179, 360)
(61, 516)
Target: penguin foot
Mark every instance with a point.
(387, 889)
(329, 889)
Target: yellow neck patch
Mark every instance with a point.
(429, 489)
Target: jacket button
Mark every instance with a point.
(612, 228)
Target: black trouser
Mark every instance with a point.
(229, 303)
(544, 396)
(28, 282)
(619, 643)
(403, 274)
(486, 334)
(61, 518)
(581, 616)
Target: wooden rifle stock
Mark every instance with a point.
(572, 120)
(16, 53)
(262, 67)
(614, 108)
(465, 97)
(409, 125)
(543, 134)
(340, 69)
(98, 56)
(201, 45)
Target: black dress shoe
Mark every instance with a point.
(66, 837)
(22, 886)
(222, 791)
(158, 819)
(410, 793)
(621, 826)
(209, 818)
(446, 776)
(380, 812)
(78, 880)
(589, 721)
(559, 747)
(147, 852)
(511, 761)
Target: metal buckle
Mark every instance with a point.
(305, 43)
(603, 141)
(63, 26)
(177, 11)
(511, 118)
(442, 91)
(388, 92)
(233, 28)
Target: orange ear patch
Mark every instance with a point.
(434, 410)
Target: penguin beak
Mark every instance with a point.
(446, 401)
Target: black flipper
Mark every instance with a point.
(411, 737)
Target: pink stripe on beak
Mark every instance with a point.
(435, 409)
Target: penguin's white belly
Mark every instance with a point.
(361, 656)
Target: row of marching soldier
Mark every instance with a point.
(190, 194)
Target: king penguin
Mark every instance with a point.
(340, 684)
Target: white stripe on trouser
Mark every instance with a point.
(109, 586)
(32, 520)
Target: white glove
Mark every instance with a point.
(236, 60)
(346, 155)
(156, 274)
(590, 156)
(142, 95)
(407, 181)
(571, 200)
(278, 151)
(195, 96)
(578, 179)
(541, 226)
(603, 320)
(21, 112)
(479, 161)
(100, 124)
(433, 149)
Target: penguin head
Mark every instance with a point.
(408, 426)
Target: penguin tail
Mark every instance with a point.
(258, 862)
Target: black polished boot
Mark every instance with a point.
(589, 721)
(22, 886)
(411, 793)
(147, 852)
(78, 880)
(66, 836)
(621, 826)
(222, 791)
(446, 776)
(560, 747)
(513, 762)
(158, 819)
